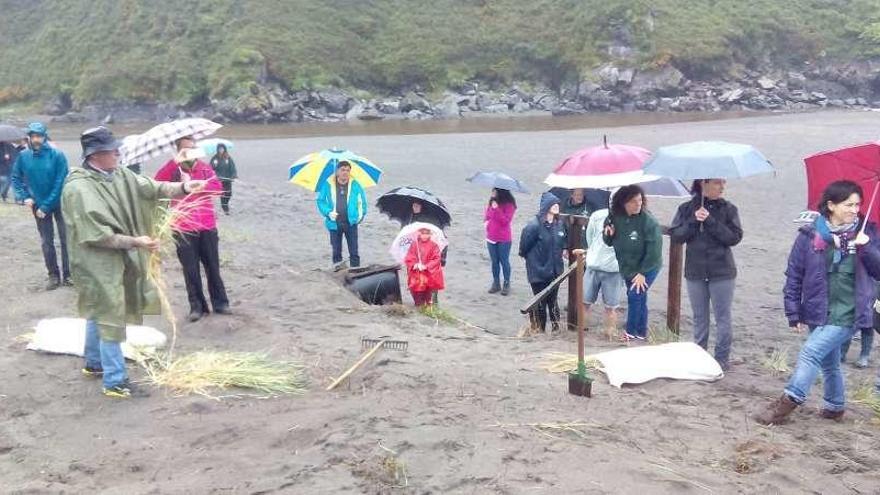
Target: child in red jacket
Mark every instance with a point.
(424, 272)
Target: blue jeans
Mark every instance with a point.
(350, 232)
(637, 306)
(499, 253)
(105, 355)
(821, 351)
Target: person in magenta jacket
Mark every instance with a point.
(499, 217)
(196, 232)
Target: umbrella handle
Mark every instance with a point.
(870, 206)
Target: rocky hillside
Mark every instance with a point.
(296, 60)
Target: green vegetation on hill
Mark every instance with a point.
(187, 52)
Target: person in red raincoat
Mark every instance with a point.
(424, 272)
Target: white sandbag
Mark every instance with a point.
(677, 360)
(68, 336)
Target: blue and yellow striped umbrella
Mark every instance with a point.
(315, 168)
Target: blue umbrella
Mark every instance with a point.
(707, 160)
(210, 145)
(664, 187)
(498, 180)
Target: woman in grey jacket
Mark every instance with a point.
(710, 226)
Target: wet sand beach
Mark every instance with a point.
(464, 409)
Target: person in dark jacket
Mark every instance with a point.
(542, 244)
(710, 226)
(224, 167)
(829, 288)
(38, 178)
(638, 242)
(8, 155)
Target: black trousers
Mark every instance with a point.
(193, 250)
(549, 306)
(350, 232)
(227, 194)
(47, 236)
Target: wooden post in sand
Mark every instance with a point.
(673, 293)
(576, 225)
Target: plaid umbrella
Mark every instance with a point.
(160, 139)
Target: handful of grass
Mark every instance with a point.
(205, 371)
(167, 217)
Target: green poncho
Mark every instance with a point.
(111, 283)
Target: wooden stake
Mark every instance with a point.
(356, 365)
(673, 295)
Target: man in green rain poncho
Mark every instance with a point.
(109, 211)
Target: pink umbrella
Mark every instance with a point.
(602, 167)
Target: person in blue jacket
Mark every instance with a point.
(342, 203)
(37, 178)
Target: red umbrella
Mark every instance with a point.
(601, 166)
(860, 164)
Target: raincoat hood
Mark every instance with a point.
(548, 199)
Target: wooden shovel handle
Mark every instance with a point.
(356, 365)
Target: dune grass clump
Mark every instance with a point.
(205, 372)
(777, 361)
(662, 335)
(560, 362)
(865, 393)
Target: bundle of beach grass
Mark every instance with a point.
(205, 371)
(560, 362)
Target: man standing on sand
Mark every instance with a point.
(342, 203)
(38, 177)
(109, 211)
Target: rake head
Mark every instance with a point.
(394, 345)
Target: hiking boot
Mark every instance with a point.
(54, 282)
(222, 310)
(67, 282)
(777, 412)
(92, 372)
(118, 391)
(505, 289)
(832, 415)
(861, 363)
(195, 315)
(495, 288)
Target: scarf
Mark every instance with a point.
(840, 238)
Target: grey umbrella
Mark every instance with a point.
(497, 180)
(11, 133)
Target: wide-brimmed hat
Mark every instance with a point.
(98, 139)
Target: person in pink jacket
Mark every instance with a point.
(196, 232)
(499, 217)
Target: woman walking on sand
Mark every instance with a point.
(828, 288)
(710, 226)
(498, 219)
(638, 242)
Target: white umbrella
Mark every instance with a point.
(409, 234)
(160, 139)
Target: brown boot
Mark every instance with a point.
(832, 415)
(776, 412)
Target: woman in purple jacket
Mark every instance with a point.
(499, 217)
(828, 288)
